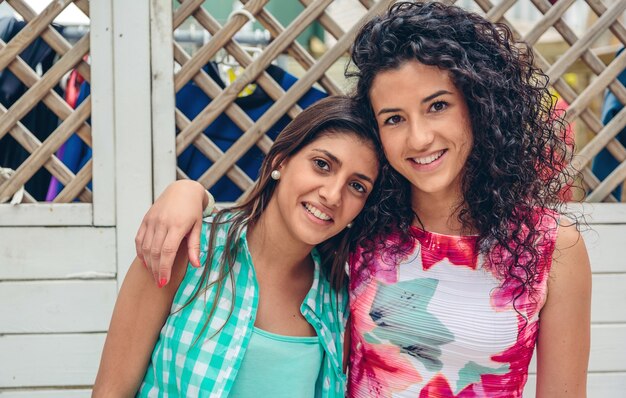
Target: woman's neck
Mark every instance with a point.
(273, 247)
(438, 212)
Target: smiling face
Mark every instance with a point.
(424, 127)
(323, 187)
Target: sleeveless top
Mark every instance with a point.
(190, 360)
(279, 366)
(436, 321)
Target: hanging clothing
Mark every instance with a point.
(191, 100)
(40, 120)
(72, 92)
(75, 152)
(437, 320)
(604, 163)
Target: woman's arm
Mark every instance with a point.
(564, 323)
(140, 312)
(176, 214)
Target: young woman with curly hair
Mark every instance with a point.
(471, 265)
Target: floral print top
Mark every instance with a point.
(436, 321)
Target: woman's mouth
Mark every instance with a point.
(317, 213)
(430, 158)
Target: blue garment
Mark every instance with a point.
(76, 153)
(604, 163)
(40, 120)
(191, 100)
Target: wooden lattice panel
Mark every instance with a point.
(40, 90)
(580, 57)
(223, 100)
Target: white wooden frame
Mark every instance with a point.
(133, 124)
(601, 213)
(103, 112)
(163, 97)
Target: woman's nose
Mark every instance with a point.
(331, 192)
(420, 136)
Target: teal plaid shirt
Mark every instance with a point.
(209, 367)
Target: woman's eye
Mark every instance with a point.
(321, 164)
(359, 187)
(438, 106)
(395, 119)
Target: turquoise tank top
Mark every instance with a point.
(278, 366)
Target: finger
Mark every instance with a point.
(169, 249)
(155, 251)
(146, 244)
(193, 244)
(139, 241)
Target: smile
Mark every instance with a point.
(430, 158)
(317, 213)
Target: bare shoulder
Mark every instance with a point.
(564, 331)
(570, 260)
(571, 271)
(569, 235)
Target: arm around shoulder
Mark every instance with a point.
(564, 325)
(140, 312)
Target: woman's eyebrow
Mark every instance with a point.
(336, 160)
(364, 177)
(429, 98)
(388, 110)
(435, 95)
(330, 155)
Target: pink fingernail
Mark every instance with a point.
(162, 282)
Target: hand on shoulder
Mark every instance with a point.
(175, 215)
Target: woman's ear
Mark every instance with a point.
(278, 165)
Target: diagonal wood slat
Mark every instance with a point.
(277, 109)
(218, 41)
(601, 25)
(212, 89)
(77, 185)
(31, 31)
(36, 92)
(51, 36)
(38, 157)
(264, 80)
(41, 89)
(52, 100)
(27, 140)
(580, 50)
(217, 106)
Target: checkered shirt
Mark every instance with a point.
(208, 368)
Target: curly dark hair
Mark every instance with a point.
(520, 149)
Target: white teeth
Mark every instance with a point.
(429, 159)
(316, 212)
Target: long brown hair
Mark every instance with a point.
(330, 116)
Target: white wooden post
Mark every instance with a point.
(133, 123)
(103, 112)
(163, 125)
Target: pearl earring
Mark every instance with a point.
(349, 225)
(275, 175)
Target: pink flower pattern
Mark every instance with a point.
(381, 367)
